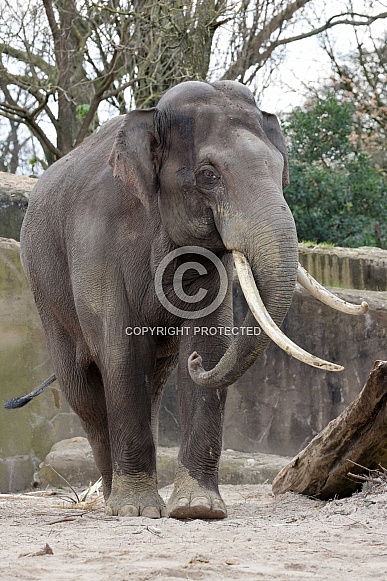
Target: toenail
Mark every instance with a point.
(201, 501)
(129, 510)
(151, 512)
(182, 502)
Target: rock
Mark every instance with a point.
(15, 471)
(73, 460)
(14, 196)
(235, 467)
(69, 460)
(246, 468)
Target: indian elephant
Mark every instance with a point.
(205, 169)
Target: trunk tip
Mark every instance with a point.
(195, 365)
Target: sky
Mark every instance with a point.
(307, 64)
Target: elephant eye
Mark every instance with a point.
(207, 178)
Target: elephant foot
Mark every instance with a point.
(135, 496)
(192, 500)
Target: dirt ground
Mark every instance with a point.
(289, 537)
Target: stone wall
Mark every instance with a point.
(276, 407)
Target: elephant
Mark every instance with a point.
(191, 185)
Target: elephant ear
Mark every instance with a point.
(272, 128)
(133, 154)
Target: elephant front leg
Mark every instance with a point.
(196, 493)
(135, 495)
(128, 399)
(194, 498)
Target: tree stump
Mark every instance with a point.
(357, 438)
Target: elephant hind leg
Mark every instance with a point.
(84, 391)
(81, 382)
(93, 415)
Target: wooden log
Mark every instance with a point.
(358, 435)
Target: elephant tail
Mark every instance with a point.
(18, 402)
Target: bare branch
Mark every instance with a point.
(257, 55)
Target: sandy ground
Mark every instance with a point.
(289, 537)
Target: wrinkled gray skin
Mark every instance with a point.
(204, 168)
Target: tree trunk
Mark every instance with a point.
(355, 439)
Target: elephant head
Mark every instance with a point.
(218, 166)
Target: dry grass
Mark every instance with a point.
(89, 499)
(374, 481)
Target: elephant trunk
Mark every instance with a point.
(269, 243)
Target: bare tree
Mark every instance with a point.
(64, 63)
(361, 77)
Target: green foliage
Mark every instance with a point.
(335, 194)
(82, 110)
(312, 243)
(320, 133)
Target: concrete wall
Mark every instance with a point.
(350, 268)
(277, 407)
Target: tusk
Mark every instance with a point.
(326, 297)
(262, 316)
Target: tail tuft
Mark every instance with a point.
(19, 402)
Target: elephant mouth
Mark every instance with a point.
(267, 324)
(262, 316)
